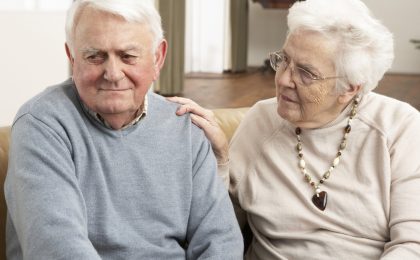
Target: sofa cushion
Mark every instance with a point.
(4, 150)
(229, 119)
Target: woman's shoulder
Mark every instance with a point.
(264, 111)
(266, 104)
(387, 114)
(259, 123)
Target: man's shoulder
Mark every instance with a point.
(54, 100)
(162, 110)
(159, 103)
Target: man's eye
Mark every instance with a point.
(95, 58)
(128, 58)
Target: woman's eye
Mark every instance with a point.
(306, 76)
(284, 59)
(279, 61)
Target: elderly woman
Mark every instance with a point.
(327, 169)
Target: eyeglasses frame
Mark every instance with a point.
(313, 77)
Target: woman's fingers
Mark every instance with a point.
(180, 100)
(189, 106)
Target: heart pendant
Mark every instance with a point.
(320, 200)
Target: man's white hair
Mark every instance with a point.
(365, 48)
(139, 11)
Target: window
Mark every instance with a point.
(206, 29)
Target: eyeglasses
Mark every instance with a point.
(280, 62)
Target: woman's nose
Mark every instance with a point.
(285, 77)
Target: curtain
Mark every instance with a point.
(206, 30)
(171, 80)
(239, 34)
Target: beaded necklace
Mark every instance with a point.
(320, 197)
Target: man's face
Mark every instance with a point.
(113, 63)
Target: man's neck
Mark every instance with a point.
(118, 121)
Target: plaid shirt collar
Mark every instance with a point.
(141, 112)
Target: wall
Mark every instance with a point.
(268, 28)
(402, 18)
(32, 57)
(32, 46)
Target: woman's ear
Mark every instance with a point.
(349, 94)
(160, 56)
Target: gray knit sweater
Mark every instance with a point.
(78, 190)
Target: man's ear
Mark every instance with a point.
(349, 94)
(68, 52)
(160, 56)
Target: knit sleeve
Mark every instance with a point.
(404, 219)
(244, 152)
(47, 214)
(213, 232)
(223, 171)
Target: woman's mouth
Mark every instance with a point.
(287, 99)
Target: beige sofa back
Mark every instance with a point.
(4, 150)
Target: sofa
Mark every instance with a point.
(228, 119)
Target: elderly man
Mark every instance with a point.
(99, 166)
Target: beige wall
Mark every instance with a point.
(32, 46)
(32, 56)
(268, 28)
(402, 17)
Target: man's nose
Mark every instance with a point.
(113, 70)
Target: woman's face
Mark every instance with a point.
(316, 104)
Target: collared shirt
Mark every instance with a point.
(141, 112)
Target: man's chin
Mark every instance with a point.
(114, 109)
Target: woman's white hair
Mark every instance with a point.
(365, 48)
(139, 11)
